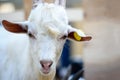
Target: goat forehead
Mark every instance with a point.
(52, 32)
(47, 13)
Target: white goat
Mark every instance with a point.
(34, 54)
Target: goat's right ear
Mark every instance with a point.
(78, 35)
(21, 27)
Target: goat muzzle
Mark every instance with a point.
(46, 66)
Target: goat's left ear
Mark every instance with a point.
(15, 27)
(78, 35)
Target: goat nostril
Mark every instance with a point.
(50, 65)
(46, 64)
(42, 65)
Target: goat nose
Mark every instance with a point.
(46, 64)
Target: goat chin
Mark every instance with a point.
(47, 73)
(49, 76)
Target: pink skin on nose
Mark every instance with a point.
(46, 66)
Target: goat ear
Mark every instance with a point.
(15, 27)
(79, 36)
(61, 2)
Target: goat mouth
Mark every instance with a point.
(46, 71)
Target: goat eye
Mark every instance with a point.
(31, 35)
(63, 37)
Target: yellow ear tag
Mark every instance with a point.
(77, 37)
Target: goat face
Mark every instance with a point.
(47, 28)
(50, 23)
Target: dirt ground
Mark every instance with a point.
(98, 72)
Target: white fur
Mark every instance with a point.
(20, 55)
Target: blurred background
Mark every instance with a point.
(98, 18)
